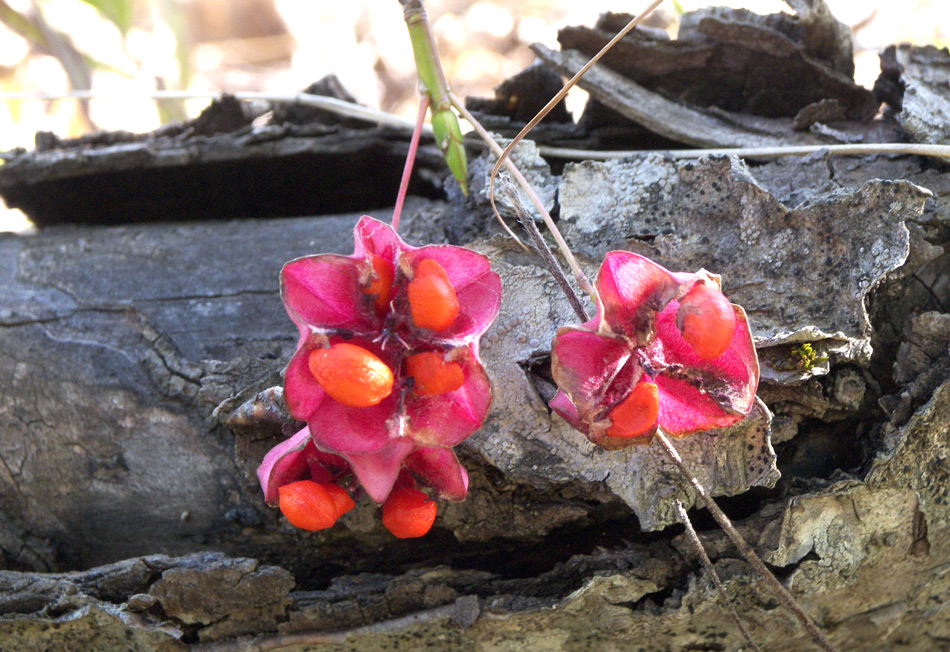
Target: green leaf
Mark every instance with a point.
(448, 135)
(119, 12)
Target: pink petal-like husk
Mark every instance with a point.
(632, 289)
(324, 467)
(284, 463)
(377, 472)
(342, 429)
(325, 292)
(477, 288)
(448, 419)
(302, 393)
(440, 469)
(374, 237)
(685, 409)
(562, 404)
(731, 379)
(584, 364)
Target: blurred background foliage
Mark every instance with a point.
(124, 49)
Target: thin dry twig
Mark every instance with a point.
(919, 149)
(543, 250)
(548, 222)
(545, 216)
(744, 548)
(711, 570)
(490, 143)
(338, 107)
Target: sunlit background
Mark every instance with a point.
(124, 49)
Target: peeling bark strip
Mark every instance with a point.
(218, 166)
(771, 66)
(916, 80)
(672, 120)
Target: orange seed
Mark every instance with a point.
(432, 300)
(351, 375)
(408, 513)
(432, 375)
(307, 505)
(635, 415)
(342, 503)
(706, 320)
(382, 283)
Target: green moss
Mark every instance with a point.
(803, 357)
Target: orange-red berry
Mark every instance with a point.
(351, 375)
(432, 299)
(342, 503)
(706, 320)
(635, 415)
(307, 505)
(408, 513)
(381, 284)
(432, 375)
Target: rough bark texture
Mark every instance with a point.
(131, 518)
(119, 345)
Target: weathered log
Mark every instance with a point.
(119, 343)
(124, 350)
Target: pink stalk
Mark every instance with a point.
(410, 160)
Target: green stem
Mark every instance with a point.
(428, 67)
(445, 125)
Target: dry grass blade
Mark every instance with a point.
(503, 158)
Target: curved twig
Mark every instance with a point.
(562, 245)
